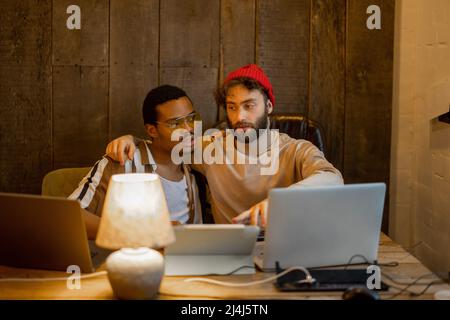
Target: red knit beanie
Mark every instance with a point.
(254, 72)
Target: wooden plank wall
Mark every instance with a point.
(237, 37)
(80, 84)
(65, 92)
(189, 51)
(25, 94)
(134, 52)
(327, 74)
(282, 49)
(368, 109)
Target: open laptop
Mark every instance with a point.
(45, 233)
(322, 226)
(211, 249)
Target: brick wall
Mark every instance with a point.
(420, 155)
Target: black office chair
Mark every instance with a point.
(299, 127)
(295, 125)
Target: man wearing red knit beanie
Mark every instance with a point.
(253, 80)
(238, 189)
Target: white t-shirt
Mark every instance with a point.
(177, 199)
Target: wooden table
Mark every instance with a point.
(408, 269)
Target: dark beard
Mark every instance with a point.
(262, 123)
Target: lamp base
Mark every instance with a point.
(135, 274)
(442, 295)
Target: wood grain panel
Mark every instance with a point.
(189, 33)
(369, 95)
(282, 50)
(134, 52)
(25, 94)
(237, 34)
(199, 84)
(80, 109)
(237, 37)
(87, 46)
(328, 74)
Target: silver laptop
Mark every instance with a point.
(211, 249)
(322, 226)
(45, 233)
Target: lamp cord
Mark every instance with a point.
(308, 279)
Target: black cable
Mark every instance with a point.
(388, 264)
(231, 272)
(366, 261)
(428, 286)
(417, 294)
(402, 283)
(405, 289)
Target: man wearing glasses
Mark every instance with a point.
(239, 190)
(165, 109)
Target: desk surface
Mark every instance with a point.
(409, 269)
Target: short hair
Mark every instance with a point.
(157, 96)
(250, 83)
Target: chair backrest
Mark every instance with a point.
(62, 182)
(296, 126)
(299, 127)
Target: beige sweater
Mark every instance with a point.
(237, 187)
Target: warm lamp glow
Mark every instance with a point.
(135, 213)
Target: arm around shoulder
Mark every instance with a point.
(122, 148)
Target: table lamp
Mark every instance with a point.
(134, 219)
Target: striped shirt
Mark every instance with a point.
(91, 191)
